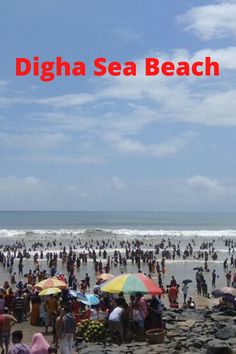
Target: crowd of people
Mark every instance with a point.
(20, 300)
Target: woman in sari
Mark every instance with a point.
(36, 301)
(39, 344)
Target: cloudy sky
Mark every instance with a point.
(143, 143)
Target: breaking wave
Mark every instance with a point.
(126, 233)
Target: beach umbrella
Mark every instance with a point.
(49, 291)
(105, 276)
(217, 293)
(130, 284)
(187, 281)
(73, 293)
(51, 283)
(77, 294)
(91, 300)
(224, 291)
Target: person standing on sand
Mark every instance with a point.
(163, 263)
(51, 309)
(58, 326)
(9, 300)
(115, 321)
(6, 323)
(19, 306)
(234, 281)
(173, 295)
(35, 308)
(185, 292)
(213, 283)
(228, 278)
(18, 347)
(68, 327)
(142, 307)
(39, 344)
(173, 281)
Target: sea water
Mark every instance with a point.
(13, 223)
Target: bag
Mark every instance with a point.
(69, 323)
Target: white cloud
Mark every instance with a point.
(117, 183)
(128, 35)
(15, 184)
(206, 101)
(71, 188)
(225, 56)
(204, 184)
(70, 100)
(55, 159)
(33, 193)
(33, 140)
(32, 181)
(97, 193)
(131, 146)
(5, 102)
(211, 21)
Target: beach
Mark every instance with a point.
(183, 251)
(90, 239)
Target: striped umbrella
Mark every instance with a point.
(130, 284)
(51, 283)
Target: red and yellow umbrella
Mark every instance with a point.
(130, 284)
(51, 283)
(49, 291)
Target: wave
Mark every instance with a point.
(126, 233)
(178, 233)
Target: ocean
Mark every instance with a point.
(78, 228)
(13, 223)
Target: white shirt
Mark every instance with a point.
(116, 314)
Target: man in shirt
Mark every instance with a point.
(51, 310)
(68, 328)
(116, 320)
(19, 306)
(213, 283)
(18, 347)
(142, 307)
(228, 278)
(6, 321)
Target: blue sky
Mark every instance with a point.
(118, 143)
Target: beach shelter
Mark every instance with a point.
(51, 283)
(130, 284)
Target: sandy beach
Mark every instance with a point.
(181, 267)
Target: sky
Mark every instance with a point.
(118, 143)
